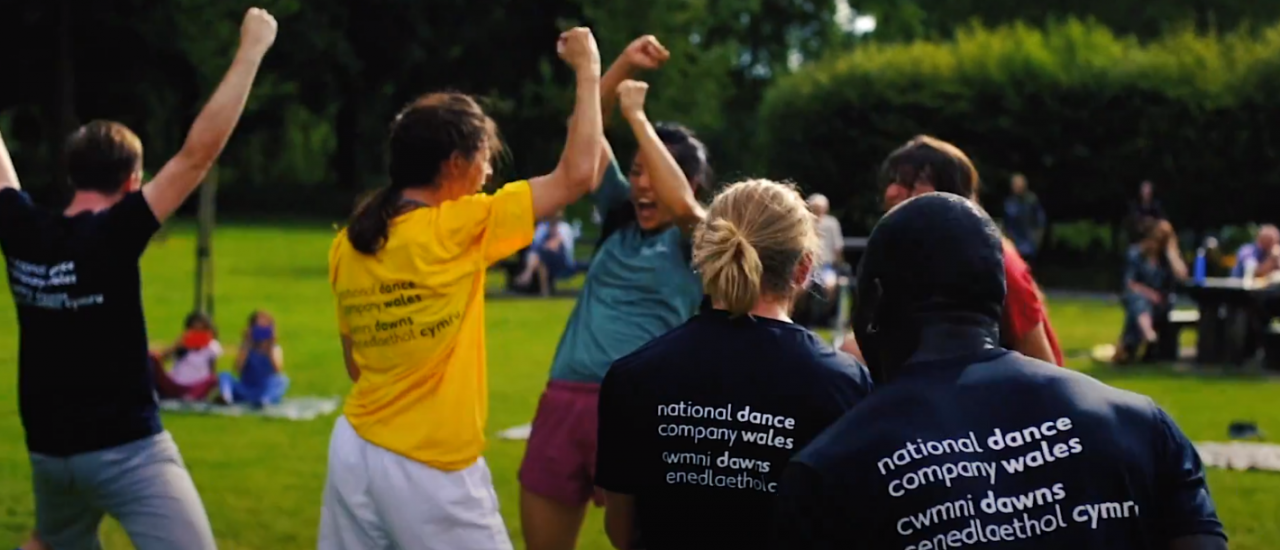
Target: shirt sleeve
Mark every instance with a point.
(130, 224)
(614, 189)
(499, 224)
(509, 227)
(335, 256)
(617, 459)
(1023, 309)
(15, 209)
(215, 348)
(1184, 507)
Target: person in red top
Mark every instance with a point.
(927, 164)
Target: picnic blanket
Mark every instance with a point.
(292, 408)
(516, 433)
(1240, 455)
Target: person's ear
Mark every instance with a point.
(134, 182)
(804, 270)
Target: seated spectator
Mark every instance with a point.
(195, 358)
(551, 256)
(742, 368)
(1263, 253)
(1154, 266)
(964, 444)
(831, 244)
(260, 366)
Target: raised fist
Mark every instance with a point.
(645, 53)
(577, 47)
(258, 31)
(631, 97)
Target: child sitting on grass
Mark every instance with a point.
(195, 358)
(260, 366)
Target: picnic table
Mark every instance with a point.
(1226, 308)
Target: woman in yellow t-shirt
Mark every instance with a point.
(405, 465)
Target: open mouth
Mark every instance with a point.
(645, 206)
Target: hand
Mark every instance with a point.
(631, 97)
(258, 32)
(645, 53)
(577, 47)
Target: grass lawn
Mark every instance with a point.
(261, 480)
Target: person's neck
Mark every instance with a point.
(777, 310)
(946, 341)
(90, 201)
(430, 196)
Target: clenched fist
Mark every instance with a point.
(258, 31)
(645, 53)
(631, 98)
(577, 47)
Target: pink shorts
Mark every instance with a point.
(560, 461)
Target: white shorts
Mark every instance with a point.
(376, 499)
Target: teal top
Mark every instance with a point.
(639, 286)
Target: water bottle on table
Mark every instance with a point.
(1198, 272)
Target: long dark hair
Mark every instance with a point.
(690, 154)
(424, 135)
(692, 157)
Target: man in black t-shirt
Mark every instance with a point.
(85, 388)
(966, 444)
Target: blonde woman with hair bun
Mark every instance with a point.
(696, 426)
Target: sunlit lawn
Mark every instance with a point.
(261, 480)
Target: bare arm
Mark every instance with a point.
(620, 520)
(575, 174)
(8, 176)
(850, 346)
(184, 172)
(277, 357)
(1176, 263)
(644, 53)
(1035, 344)
(669, 182)
(353, 371)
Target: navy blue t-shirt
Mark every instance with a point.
(698, 424)
(84, 382)
(996, 450)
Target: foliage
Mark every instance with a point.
(1086, 114)
(340, 70)
(915, 19)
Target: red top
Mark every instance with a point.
(1023, 309)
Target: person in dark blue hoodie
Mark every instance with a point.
(965, 443)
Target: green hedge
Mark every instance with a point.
(1084, 113)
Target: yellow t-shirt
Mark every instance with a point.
(415, 316)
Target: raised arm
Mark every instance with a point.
(184, 172)
(576, 172)
(642, 54)
(8, 176)
(669, 182)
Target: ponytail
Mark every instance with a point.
(730, 266)
(756, 235)
(371, 222)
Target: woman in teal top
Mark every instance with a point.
(639, 286)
